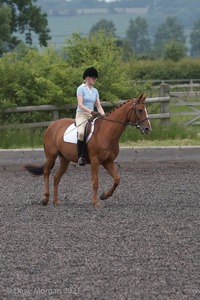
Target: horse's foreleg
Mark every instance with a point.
(95, 182)
(110, 168)
(62, 169)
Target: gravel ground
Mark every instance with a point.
(144, 243)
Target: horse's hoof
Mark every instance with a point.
(44, 202)
(97, 205)
(103, 196)
(57, 203)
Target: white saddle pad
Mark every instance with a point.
(70, 135)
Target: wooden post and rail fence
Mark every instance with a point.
(164, 98)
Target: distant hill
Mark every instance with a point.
(76, 7)
(154, 10)
(66, 17)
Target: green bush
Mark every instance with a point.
(29, 77)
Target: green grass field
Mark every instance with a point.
(175, 134)
(172, 135)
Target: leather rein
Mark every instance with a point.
(131, 110)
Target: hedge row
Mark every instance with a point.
(187, 68)
(29, 77)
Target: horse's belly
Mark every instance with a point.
(69, 151)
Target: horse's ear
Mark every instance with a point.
(144, 98)
(141, 98)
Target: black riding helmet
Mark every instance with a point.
(91, 72)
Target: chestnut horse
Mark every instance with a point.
(101, 149)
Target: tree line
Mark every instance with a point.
(169, 40)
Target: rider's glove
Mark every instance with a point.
(95, 114)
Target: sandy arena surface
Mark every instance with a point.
(144, 243)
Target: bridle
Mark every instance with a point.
(130, 111)
(137, 124)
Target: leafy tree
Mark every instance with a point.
(109, 27)
(30, 77)
(195, 39)
(127, 50)
(168, 31)
(26, 18)
(103, 24)
(99, 50)
(137, 35)
(5, 30)
(174, 51)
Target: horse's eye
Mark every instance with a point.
(140, 110)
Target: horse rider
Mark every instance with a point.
(87, 97)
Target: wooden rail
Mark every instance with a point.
(165, 97)
(55, 111)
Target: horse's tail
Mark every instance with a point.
(35, 170)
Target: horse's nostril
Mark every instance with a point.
(146, 129)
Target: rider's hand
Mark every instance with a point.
(95, 114)
(101, 115)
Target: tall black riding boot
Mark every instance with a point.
(80, 147)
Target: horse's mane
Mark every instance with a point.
(118, 106)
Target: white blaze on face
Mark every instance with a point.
(147, 117)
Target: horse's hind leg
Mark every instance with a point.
(64, 163)
(50, 161)
(110, 168)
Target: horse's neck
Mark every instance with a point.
(115, 123)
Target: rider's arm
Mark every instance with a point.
(99, 107)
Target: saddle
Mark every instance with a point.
(70, 135)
